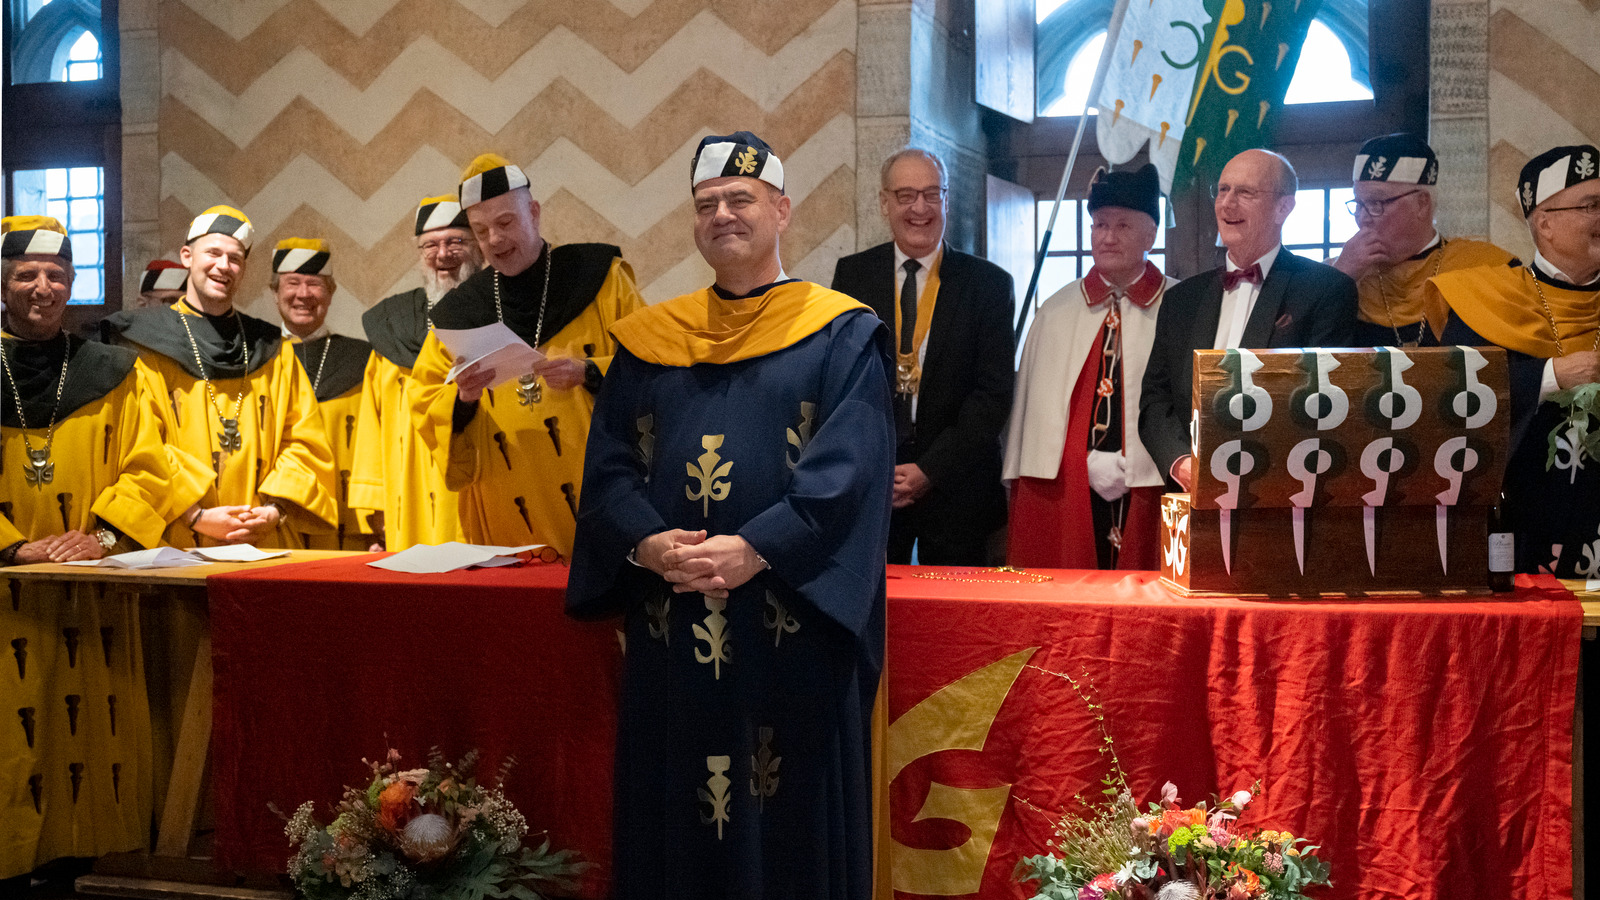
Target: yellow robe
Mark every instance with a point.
(72, 652)
(1403, 284)
(392, 472)
(519, 467)
(339, 421)
(284, 454)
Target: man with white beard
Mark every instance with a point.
(392, 475)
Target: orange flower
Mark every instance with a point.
(397, 805)
(1173, 819)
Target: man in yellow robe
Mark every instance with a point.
(235, 400)
(334, 363)
(1547, 317)
(83, 472)
(513, 446)
(1396, 247)
(392, 474)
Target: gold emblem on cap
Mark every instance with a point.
(746, 161)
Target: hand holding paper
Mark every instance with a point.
(491, 347)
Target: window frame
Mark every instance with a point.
(71, 124)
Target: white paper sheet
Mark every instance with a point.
(421, 559)
(157, 558)
(495, 346)
(237, 553)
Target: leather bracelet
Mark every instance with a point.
(8, 556)
(199, 511)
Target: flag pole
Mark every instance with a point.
(1072, 156)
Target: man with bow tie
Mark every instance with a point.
(1263, 297)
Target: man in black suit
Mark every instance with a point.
(950, 313)
(1264, 297)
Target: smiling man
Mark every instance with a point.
(336, 364)
(1396, 247)
(514, 452)
(950, 313)
(1263, 297)
(240, 405)
(752, 587)
(393, 475)
(1547, 317)
(83, 472)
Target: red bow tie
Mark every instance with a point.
(1231, 280)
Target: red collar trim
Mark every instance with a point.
(1143, 292)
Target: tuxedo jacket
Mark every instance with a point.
(1301, 304)
(967, 380)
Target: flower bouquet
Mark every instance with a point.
(421, 834)
(1168, 852)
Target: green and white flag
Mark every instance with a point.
(1198, 80)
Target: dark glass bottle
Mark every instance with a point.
(1502, 549)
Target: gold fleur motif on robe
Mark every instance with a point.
(658, 610)
(708, 479)
(800, 435)
(778, 620)
(715, 793)
(645, 449)
(764, 769)
(719, 648)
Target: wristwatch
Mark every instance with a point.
(106, 538)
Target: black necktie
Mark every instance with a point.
(908, 306)
(908, 332)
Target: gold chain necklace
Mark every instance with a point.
(40, 471)
(528, 389)
(1024, 577)
(228, 439)
(1551, 318)
(1384, 295)
(321, 364)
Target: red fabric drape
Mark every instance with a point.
(1425, 745)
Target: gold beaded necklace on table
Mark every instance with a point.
(1023, 577)
(228, 440)
(528, 389)
(40, 471)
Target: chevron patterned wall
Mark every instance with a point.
(1544, 76)
(332, 118)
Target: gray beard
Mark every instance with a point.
(436, 284)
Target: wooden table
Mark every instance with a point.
(194, 727)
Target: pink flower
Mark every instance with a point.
(1169, 794)
(1241, 799)
(1090, 892)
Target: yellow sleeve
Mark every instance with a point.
(367, 466)
(8, 533)
(303, 474)
(618, 296)
(432, 404)
(157, 481)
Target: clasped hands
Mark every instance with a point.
(561, 373)
(235, 524)
(695, 563)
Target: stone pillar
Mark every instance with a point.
(141, 156)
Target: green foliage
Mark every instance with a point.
(1582, 406)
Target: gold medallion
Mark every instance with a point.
(40, 471)
(528, 390)
(229, 439)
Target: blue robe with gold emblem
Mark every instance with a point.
(742, 754)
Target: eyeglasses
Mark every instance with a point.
(908, 196)
(1243, 195)
(1590, 209)
(1375, 208)
(447, 245)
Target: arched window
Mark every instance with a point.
(80, 60)
(54, 40)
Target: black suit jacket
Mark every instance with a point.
(967, 380)
(1301, 304)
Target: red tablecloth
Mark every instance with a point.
(1425, 745)
(323, 664)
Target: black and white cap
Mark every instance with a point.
(737, 154)
(1401, 157)
(304, 256)
(440, 212)
(163, 275)
(34, 236)
(489, 176)
(223, 220)
(1553, 171)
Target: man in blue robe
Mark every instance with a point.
(735, 513)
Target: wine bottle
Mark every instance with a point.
(1502, 549)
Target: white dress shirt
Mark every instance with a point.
(1548, 385)
(1239, 302)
